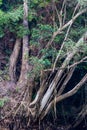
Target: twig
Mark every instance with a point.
(59, 31)
(64, 39)
(82, 60)
(59, 17)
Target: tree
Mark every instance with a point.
(70, 55)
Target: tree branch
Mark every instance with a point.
(59, 73)
(66, 95)
(65, 26)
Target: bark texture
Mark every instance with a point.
(25, 51)
(13, 60)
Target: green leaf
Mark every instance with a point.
(0, 2)
(35, 1)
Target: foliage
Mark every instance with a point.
(39, 65)
(4, 73)
(82, 2)
(9, 4)
(32, 15)
(9, 20)
(69, 45)
(42, 33)
(58, 39)
(0, 2)
(39, 3)
(2, 102)
(21, 31)
(1, 32)
(12, 16)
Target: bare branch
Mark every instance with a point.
(61, 47)
(77, 6)
(76, 63)
(61, 12)
(59, 17)
(66, 81)
(66, 95)
(59, 74)
(59, 31)
(64, 18)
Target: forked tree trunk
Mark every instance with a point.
(13, 60)
(25, 81)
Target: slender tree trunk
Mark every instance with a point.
(24, 67)
(13, 60)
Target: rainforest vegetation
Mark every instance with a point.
(43, 64)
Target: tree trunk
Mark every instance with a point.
(24, 67)
(25, 81)
(13, 60)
